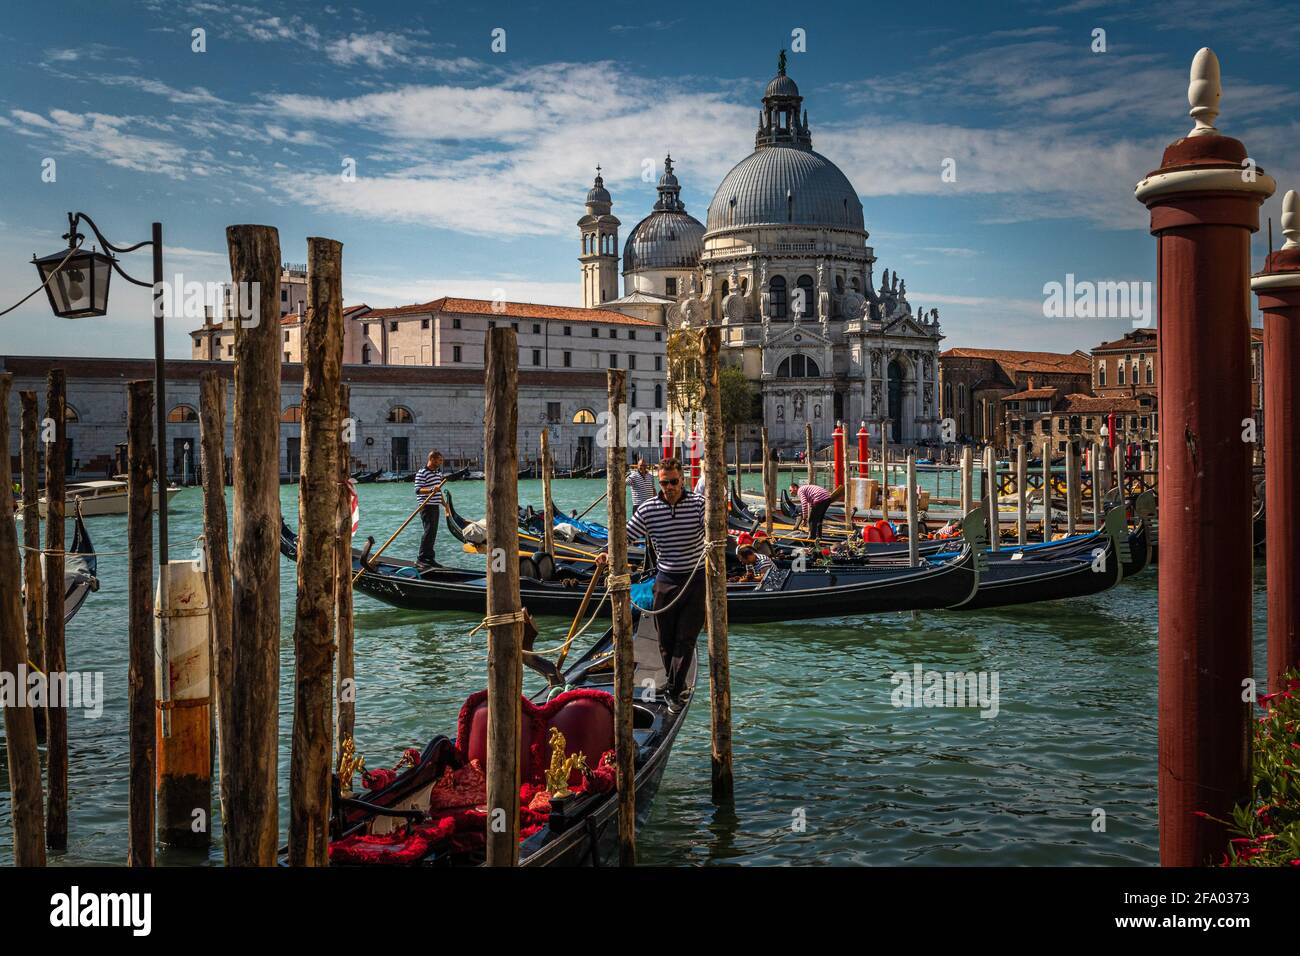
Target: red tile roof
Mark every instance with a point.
(510, 310)
(1025, 361)
(1133, 341)
(1032, 393)
(1093, 403)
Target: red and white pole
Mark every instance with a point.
(1204, 201)
(864, 450)
(837, 440)
(1278, 290)
(694, 453)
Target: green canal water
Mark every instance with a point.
(828, 771)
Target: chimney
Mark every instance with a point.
(1031, 381)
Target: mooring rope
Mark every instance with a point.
(497, 620)
(708, 546)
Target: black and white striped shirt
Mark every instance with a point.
(676, 531)
(426, 479)
(762, 565)
(643, 487)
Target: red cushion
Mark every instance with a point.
(588, 727)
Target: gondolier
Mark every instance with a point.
(813, 502)
(428, 484)
(673, 521)
(641, 482)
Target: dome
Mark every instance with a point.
(664, 240)
(599, 194)
(785, 184)
(781, 85)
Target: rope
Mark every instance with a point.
(708, 546)
(58, 552)
(499, 620)
(53, 273)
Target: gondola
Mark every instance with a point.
(1006, 583)
(365, 477)
(396, 822)
(80, 570)
(550, 587)
(583, 546)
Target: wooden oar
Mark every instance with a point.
(593, 504)
(418, 509)
(582, 609)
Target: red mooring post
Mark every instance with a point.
(864, 450)
(837, 440)
(1278, 290)
(1204, 201)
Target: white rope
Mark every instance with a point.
(709, 545)
(52, 274)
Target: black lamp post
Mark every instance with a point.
(76, 282)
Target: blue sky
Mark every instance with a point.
(472, 165)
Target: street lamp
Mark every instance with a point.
(76, 282)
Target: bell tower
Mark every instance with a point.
(599, 229)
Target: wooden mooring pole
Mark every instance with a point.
(141, 671)
(990, 496)
(1098, 484)
(1071, 487)
(1022, 496)
(255, 555)
(216, 551)
(345, 690)
(913, 550)
(1047, 488)
(967, 480)
(33, 583)
(715, 526)
(770, 479)
(26, 812)
(1202, 221)
(504, 617)
(621, 611)
(56, 657)
(810, 465)
(313, 624)
(548, 511)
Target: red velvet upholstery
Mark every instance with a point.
(588, 727)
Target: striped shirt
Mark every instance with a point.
(762, 564)
(425, 480)
(676, 531)
(810, 495)
(700, 486)
(643, 487)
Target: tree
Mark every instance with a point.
(739, 398)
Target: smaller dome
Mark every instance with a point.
(598, 193)
(664, 240)
(781, 85)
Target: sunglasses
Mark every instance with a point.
(670, 482)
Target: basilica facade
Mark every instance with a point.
(783, 265)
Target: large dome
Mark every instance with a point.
(664, 240)
(776, 185)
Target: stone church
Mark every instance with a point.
(782, 262)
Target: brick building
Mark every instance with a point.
(974, 383)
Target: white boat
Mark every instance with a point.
(105, 496)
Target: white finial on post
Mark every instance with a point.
(1203, 92)
(1290, 221)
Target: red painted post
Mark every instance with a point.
(1278, 289)
(837, 442)
(863, 450)
(1204, 201)
(668, 443)
(694, 453)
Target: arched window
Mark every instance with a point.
(797, 366)
(400, 415)
(855, 285)
(584, 416)
(182, 414)
(1151, 371)
(806, 287)
(726, 287)
(70, 414)
(947, 398)
(839, 285)
(776, 296)
(292, 415)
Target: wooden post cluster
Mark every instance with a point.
(56, 657)
(20, 722)
(621, 611)
(715, 526)
(990, 497)
(770, 479)
(313, 626)
(505, 628)
(913, 550)
(255, 559)
(216, 551)
(142, 715)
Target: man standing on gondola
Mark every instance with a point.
(673, 520)
(641, 482)
(428, 485)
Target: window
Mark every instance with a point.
(365, 355)
(568, 330)
(180, 414)
(286, 336)
(631, 334)
(658, 336)
(424, 323)
(492, 323)
(455, 323)
(613, 360)
(400, 415)
(292, 415)
(613, 333)
(670, 287)
(595, 333)
(553, 412)
(1122, 366)
(455, 353)
(537, 356)
(797, 366)
(1151, 371)
(806, 287)
(392, 326)
(230, 350)
(584, 416)
(776, 296)
(632, 401)
(568, 359)
(631, 361)
(284, 295)
(659, 363)
(286, 357)
(1101, 373)
(515, 326)
(537, 328)
(659, 396)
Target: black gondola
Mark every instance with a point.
(583, 546)
(80, 570)
(584, 831)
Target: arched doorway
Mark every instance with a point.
(895, 400)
